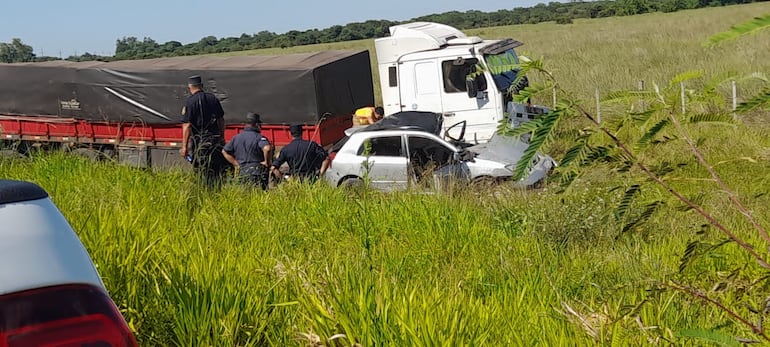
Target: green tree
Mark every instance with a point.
(264, 39)
(16, 52)
(126, 46)
(170, 47)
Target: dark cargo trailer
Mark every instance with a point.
(138, 102)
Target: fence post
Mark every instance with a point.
(684, 106)
(735, 97)
(554, 96)
(598, 107)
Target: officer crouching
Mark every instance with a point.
(249, 152)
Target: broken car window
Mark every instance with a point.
(424, 151)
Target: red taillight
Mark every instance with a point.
(62, 316)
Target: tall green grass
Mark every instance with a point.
(239, 267)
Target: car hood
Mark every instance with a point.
(503, 149)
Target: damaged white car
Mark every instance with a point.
(404, 150)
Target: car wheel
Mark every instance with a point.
(352, 182)
(485, 181)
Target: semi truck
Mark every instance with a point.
(427, 66)
(131, 109)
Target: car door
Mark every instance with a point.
(480, 113)
(385, 162)
(429, 158)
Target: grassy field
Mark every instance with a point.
(312, 265)
(299, 264)
(615, 53)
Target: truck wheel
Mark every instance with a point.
(24, 148)
(88, 153)
(10, 154)
(108, 152)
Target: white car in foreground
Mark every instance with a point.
(50, 291)
(394, 157)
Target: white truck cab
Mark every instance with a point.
(423, 67)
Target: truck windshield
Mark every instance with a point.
(503, 67)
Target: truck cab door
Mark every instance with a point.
(482, 113)
(420, 86)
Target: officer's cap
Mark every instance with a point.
(195, 80)
(295, 130)
(253, 118)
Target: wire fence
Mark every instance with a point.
(641, 87)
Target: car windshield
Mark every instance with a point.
(503, 67)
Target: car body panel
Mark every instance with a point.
(495, 159)
(43, 248)
(507, 151)
(386, 173)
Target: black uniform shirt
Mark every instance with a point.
(202, 111)
(247, 147)
(303, 156)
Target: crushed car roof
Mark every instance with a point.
(409, 120)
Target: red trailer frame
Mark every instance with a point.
(143, 145)
(70, 130)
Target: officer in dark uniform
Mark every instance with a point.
(307, 160)
(203, 130)
(249, 152)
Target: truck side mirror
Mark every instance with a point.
(471, 87)
(481, 83)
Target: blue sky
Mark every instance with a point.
(67, 27)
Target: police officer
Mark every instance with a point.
(249, 152)
(306, 159)
(203, 128)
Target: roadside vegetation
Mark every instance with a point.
(313, 265)
(302, 264)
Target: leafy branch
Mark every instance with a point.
(662, 119)
(756, 328)
(753, 26)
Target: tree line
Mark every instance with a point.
(563, 13)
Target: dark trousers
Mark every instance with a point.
(254, 175)
(309, 177)
(208, 162)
